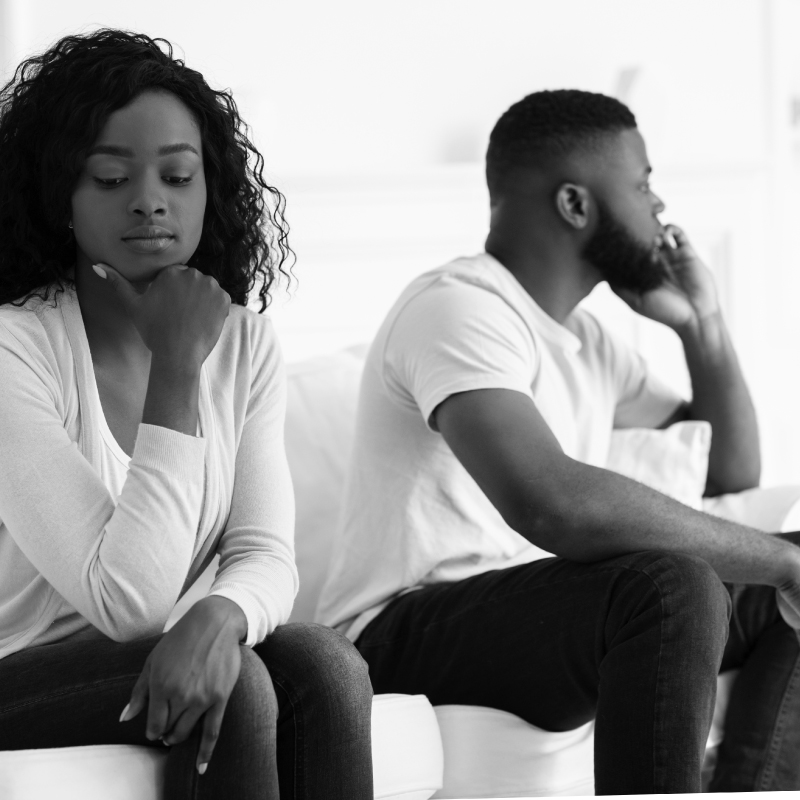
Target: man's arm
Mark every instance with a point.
(688, 304)
(588, 514)
(720, 395)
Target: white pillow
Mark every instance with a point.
(673, 461)
(320, 422)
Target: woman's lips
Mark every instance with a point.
(148, 244)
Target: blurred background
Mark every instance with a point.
(373, 119)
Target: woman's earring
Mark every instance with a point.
(69, 224)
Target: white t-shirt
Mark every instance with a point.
(412, 514)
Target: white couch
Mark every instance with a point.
(419, 752)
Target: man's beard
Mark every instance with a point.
(622, 260)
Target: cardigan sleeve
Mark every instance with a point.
(120, 565)
(257, 568)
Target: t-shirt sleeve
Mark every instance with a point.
(456, 337)
(643, 399)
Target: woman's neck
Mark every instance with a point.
(109, 330)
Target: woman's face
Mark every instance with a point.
(139, 202)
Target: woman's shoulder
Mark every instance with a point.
(247, 343)
(35, 323)
(244, 327)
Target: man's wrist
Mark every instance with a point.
(787, 573)
(707, 331)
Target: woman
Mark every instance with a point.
(141, 414)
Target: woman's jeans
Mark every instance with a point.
(634, 642)
(297, 720)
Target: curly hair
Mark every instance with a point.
(52, 111)
(550, 125)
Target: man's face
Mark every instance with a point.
(625, 246)
(623, 260)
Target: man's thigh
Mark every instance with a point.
(71, 694)
(530, 639)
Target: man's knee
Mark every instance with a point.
(686, 588)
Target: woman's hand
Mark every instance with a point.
(179, 315)
(190, 674)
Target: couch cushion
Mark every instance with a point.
(673, 461)
(320, 420)
(491, 753)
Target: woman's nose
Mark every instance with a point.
(148, 200)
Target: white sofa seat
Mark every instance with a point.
(406, 753)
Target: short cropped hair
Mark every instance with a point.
(550, 125)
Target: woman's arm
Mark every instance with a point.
(257, 568)
(122, 567)
(192, 671)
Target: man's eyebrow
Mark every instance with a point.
(126, 152)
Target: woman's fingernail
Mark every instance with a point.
(99, 270)
(202, 768)
(124, 713)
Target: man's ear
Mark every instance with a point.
(572, 203)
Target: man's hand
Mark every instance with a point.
(689, 295)
(688, 304)
(788, 598)
(190, 674)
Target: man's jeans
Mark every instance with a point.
(298, 718)
(635, 642)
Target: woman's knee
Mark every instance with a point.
(319, 657)
(253, 690)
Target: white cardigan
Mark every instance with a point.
(123, 565)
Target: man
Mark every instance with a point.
(486, 409)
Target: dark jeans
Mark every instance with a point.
(298, 718)
(634, 642)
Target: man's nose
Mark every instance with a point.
(658, 204)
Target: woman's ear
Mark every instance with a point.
(572, 203)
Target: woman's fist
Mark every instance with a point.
(179, 315)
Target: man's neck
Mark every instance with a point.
(555, 283)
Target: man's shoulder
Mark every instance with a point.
(461, 288)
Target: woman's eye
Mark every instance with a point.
(108, 182)
(646, 188)
(176, 180)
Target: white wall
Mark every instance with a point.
(373, 118)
